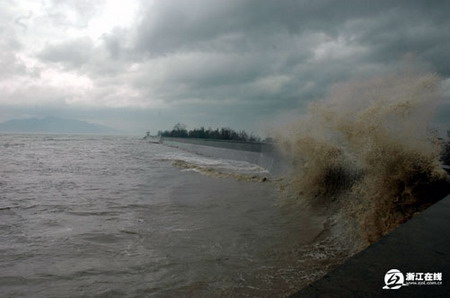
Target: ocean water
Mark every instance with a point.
(92, 216)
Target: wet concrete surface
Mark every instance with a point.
(265, 155)
(420, 246)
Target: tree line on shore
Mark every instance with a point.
(180, 131)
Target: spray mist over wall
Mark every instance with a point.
(366, 154)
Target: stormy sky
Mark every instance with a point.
(145, 65)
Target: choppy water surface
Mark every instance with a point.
(112, 216)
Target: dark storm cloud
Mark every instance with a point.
(170, 26)
(183, 25)
(277, 54)
(417, 27)
(241, 61)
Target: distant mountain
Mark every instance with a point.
(53, 125)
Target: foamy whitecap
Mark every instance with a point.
(240, 170)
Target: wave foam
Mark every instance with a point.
(366, 155)
(220, 168)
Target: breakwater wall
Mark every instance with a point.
(266, 155)
(420, 246)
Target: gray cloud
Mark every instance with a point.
(171, 26)
(236, 62)
(10, 64)
(73, 53)
(101, 62)
(67, 13)
(187, 25)
(279, 53)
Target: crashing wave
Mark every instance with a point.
(366, 155)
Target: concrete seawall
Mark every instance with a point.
(420, 246)
(263, 154)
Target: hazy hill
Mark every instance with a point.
(53, 125)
